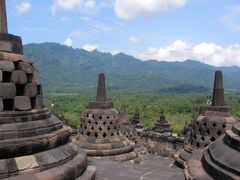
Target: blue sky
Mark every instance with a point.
(170, 30)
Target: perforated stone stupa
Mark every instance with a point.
(219, 161)
(209, 125)
(162, 126)
(126, 127)
(136, 121)
(100, 134)
(33, 143)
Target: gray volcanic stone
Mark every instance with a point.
(22, 103)
(151, 168)
(1, 104)
(36, 77)
(100, 134)
(7, 90)
(1, 76)
(38, 102)
(34, 144)
(30, 90)
(6, 65)
(19, 77)
(25, 67)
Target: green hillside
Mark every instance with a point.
(66, 69)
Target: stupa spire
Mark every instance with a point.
(218, 91)
(3, 17)
(101, 90)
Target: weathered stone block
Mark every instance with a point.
(19, 77)
(7, 90)
(36, 77)
(25, 67)
(1, 76)
(38, 102)
(30, 90)
(22, 103)
(26, 163)
(6, 65)
(1, 104)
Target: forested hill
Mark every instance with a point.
(66, 69)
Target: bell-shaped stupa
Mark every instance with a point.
(221, 160)
(100, 133)
(209, 125)
(162, 126)
(136, 121)
(33, 143)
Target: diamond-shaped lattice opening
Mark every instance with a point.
(214, 124)
(85, 127)
(205, 145)
(88, 133)
(224, 126)
(205, 124)
(197, 123)
(93, 116)
(111, 122)
(202, 138)
(219, 133)
(108, 128)
(6, 76)
(82, 132)
(20, 89)
(92, 128)
(200, 130)
(96, 123)
(208, 131)
(100, 117)
(112, 134)
(96, 135)
(117, 133)
(104, 123)
(29, 78)
(104, 135)
(16, 64)
(8, 104)
(87, 115)
(212, 139)
(115, 127)
(100, 129)
(89, 122)
(107, 117)
(195, 137)
(198, 145)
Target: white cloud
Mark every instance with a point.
(209, 53)
(127, 9)
(115, 52)
(232, 18)
(90, 47)
(68, 42)
(82, 5)
(134, 39)
(23, 7)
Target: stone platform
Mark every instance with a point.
(151, 168)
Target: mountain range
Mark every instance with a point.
(64, 69)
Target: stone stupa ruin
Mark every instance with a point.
(136, 121)
(126, 127)
(162, 126)
(33, 143)
(209, 125)
(100, 133)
